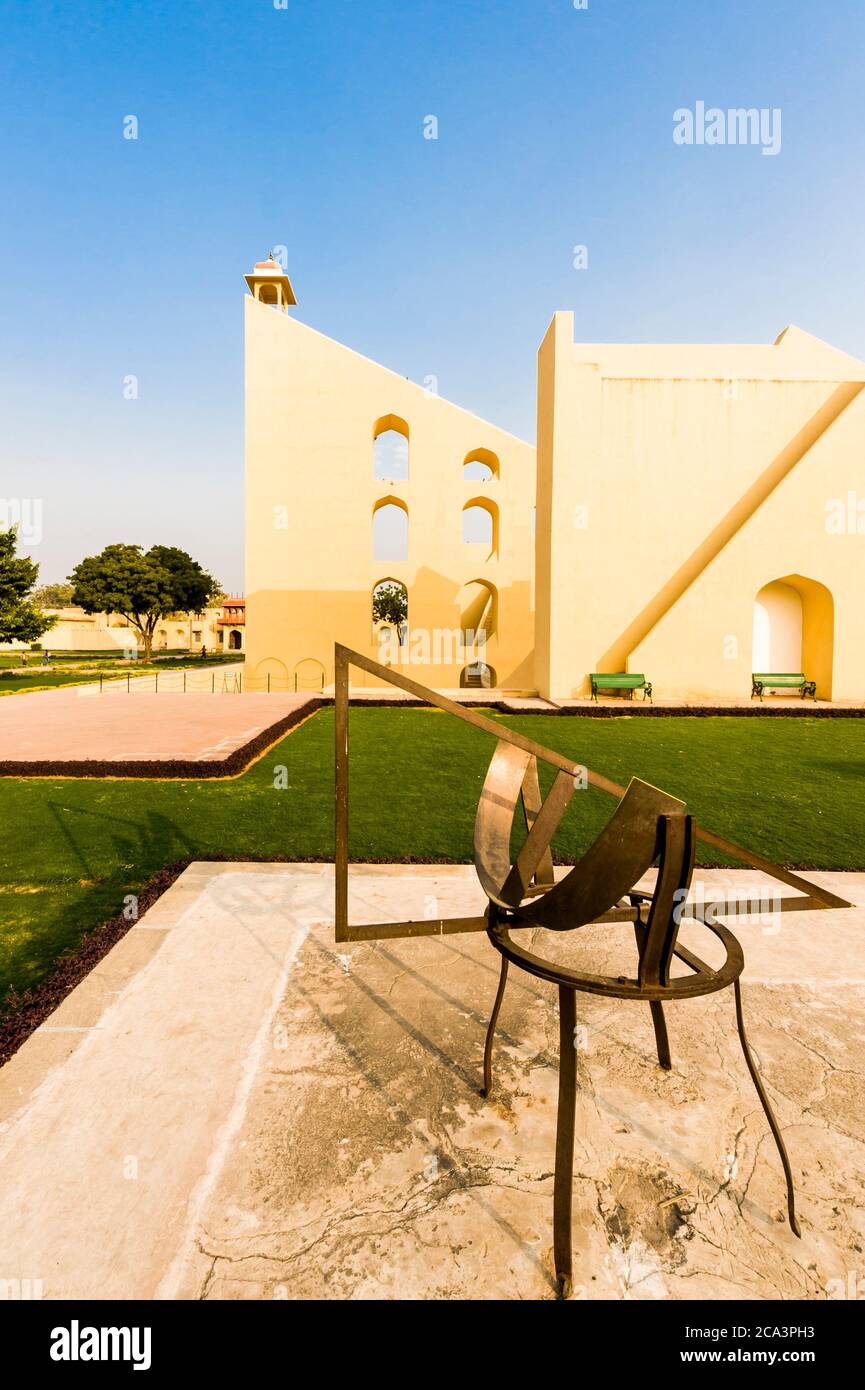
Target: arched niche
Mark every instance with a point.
(794, 630)
(309, 674)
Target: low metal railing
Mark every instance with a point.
(175, 682)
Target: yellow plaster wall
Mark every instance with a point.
(675, 481)
(311, 409)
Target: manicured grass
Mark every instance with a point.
(69, 673)
(47, 680)
(71, 850)
(61, 657)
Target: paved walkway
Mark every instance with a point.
(722, 706)
(232, 1107)
(535, 704)
(78, 725)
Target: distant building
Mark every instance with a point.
(188, 632)
(77, 631)
(232, 624)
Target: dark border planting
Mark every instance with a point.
(626, 709)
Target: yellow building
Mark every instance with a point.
(231, 624)
(315, 510)
(700, 515)
(188, 632)
(77, 631)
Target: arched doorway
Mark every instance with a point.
(234, 640)
(793, 630)
(478, 676)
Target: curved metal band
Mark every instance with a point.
(703, 981)
(495, 817)
(626, 847)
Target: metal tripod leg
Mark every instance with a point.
(488, 1046)
(564, 1180)
(764, 1101)
(659, 1023)
(662, 1042)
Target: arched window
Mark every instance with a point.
(390, 613)
(478, 614)
(390, 530)
(390, 449)
(480, 466)
(481, 525)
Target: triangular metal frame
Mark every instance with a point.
(811, 897)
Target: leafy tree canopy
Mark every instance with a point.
(21, 620)
(53, 595)
(390, 603)
(143, 586)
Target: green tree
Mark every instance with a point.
(21, 620)
(143, 586)
(53, 595)
(390, 605)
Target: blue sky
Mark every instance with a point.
(303, 127)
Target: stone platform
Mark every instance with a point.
(233, 1107)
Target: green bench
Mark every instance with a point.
(782, 680)
(620, 680)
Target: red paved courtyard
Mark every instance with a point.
(79, 725)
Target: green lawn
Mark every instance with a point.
(68, 671)
(47, 680)
(791, 789)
